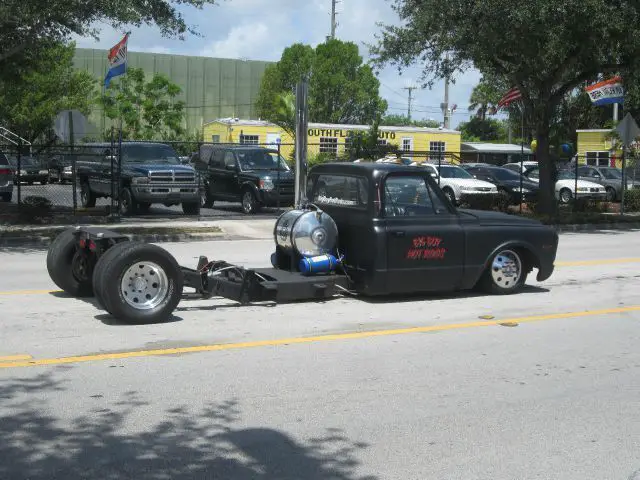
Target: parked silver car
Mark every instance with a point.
(6, 179)
(609, 177)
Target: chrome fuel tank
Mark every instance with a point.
(307, 232)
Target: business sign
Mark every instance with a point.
(606, 92)
(337, 132)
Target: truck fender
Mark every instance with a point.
(529, 254)
(252, 186)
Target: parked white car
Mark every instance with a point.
(457, 183)
(565, 187)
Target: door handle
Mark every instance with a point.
(398, 233)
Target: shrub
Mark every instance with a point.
(487, 202)
(632, 200)
(588, 205)
(318, 158)
(35, 209)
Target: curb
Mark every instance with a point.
(597, 227)
(44, 241)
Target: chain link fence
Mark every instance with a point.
(150, 179)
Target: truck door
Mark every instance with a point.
(425, 241)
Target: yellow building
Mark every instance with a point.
(595, 147)
(333, 138)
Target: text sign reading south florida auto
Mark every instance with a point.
(337, 132)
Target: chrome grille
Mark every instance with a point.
(171, 176)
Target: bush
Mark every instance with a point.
(632, 200)
(487, 202)
(588, 205)
(35, 209)
(318, 158)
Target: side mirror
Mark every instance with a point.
(232, 168)
(434, 175)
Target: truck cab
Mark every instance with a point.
(399, 233)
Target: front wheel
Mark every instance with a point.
(506, 273)
(141, 284)
(127, 203)
(611, 194)
(87, 197)
(565, 196)
(450, 195)
(249, 202)
(191, 208)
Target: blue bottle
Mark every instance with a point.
(319, 264)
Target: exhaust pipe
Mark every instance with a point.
(300, 192)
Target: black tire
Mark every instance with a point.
(44, 181)
(6, 197)
(191, 208)
(249, 201)
(205, 198)
(611, 194)
(144, 207)
(98, 273)
(450, 195)
(565, 196)
(494, 280)
(168, 288)
(87, 197)
(60, 259)
(128, 205)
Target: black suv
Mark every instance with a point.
(252, 175)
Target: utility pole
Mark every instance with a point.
(445, 105)
(410, 89)
(333, 19)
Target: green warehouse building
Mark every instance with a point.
(211, 87)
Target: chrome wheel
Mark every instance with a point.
(565, 195)
(144, 285)
(506, 269)
(247, 202)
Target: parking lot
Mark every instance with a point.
(542, 384)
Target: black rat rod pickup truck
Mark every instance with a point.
(361, 228)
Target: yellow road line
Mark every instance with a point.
(316, 339)
(610, 261)
(14, 358)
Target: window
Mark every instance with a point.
(328, 145)
(437, 150)
(229, 160)
(598, 159)
(410, 196)
(407, 144)
(215, 138)
(382, 141)
(249, 139)
(341, 190)
(217, 159)
(451, 171)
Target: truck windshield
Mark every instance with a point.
(262, 160)
(150, 154)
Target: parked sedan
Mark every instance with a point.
(609, 177)
(30, 171)
(457, 183)
(507, 181)
(565, 187)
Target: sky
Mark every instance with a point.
(262, 29)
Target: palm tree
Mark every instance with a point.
(484, 97)
(284, 113)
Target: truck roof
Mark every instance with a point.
(369, 169)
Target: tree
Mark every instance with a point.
(341, 88)
(485, 97)
(396, 120)
(479, 130)
(545, 48)
(31, 98)
(25, 24)
(148, 109)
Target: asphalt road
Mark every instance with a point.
(62, 196)
(541, 385)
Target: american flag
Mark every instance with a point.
(511, 96)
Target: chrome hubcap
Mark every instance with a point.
(246, 202)
(506, 269)
(144, 285)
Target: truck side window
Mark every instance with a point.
(229, 160)
(217, 159)
(342, 190)
(410, 196)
